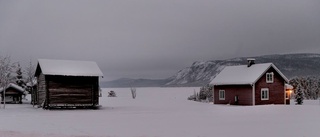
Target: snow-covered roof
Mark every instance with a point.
(241, 75)
(68, 68)
(12, 85)
(288, 86)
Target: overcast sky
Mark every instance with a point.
(156, 38)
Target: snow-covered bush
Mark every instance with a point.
(204, 95)
(194, 97)
(112, 94)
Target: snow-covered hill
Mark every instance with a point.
(201, 73)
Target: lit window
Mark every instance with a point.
(222, 95)
(264, 94)
(269, 77)
(288, 94)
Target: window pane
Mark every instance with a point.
(264, 94)
(221, 94)
(269, 77)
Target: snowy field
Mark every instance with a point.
(161, 112)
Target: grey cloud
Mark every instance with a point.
(154, 39)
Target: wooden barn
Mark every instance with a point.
(252, 84)
(65, 83)
(13, 94)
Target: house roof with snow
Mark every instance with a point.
(68, 68)
(12, 85)
(242, 75)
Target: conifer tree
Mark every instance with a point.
(19, 77)
(299, 95)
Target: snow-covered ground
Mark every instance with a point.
(161, 112)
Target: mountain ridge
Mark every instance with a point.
(201, 73)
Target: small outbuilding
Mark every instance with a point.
(252, 84)
(66, 83)
(13, 94)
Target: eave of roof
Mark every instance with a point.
(68, 68)
(12, 85)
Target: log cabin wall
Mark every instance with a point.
(34, 95)
(72, 91)
(41, 92)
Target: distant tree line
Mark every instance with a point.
(308, 87)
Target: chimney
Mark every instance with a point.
(251, 61)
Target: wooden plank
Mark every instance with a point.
(65, 90)
(83, 101)
(69, 95)
(73, 90)
(68, 85)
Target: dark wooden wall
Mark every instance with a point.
(34, 93)
(72, 91)
(244, 93)
(41, 91)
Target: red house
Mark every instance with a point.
(252, 84)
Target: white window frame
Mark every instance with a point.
(270, 77)
(222, 92)
(267, 93)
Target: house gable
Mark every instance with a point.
(38, 70)
(276, 88)
(272, 69)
